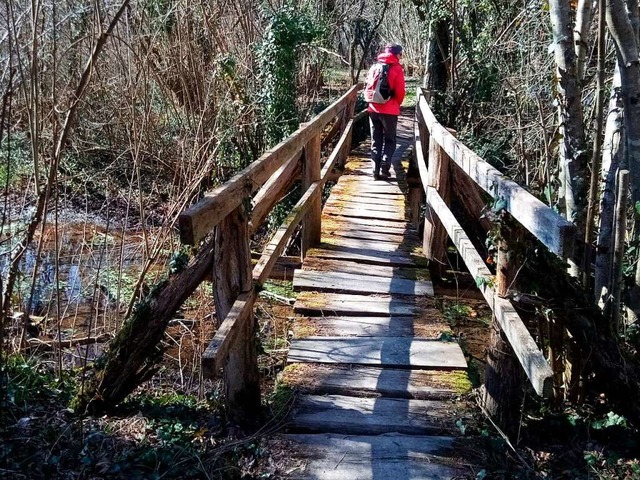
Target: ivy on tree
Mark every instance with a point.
(278, 57)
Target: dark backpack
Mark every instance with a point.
(377, 89)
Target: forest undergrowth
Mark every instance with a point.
(172, 427)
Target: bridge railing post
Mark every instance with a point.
(435, 236)
(504, 378)
(311, 170)
(347, 115)
(232, 277)
(416, 196)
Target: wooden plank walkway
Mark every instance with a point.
(364, 363)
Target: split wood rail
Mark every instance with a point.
(447, 168)
(233, 211)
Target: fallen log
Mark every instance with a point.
(132, 357)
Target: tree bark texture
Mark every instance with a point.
(437, 75)
(573, 159)
(620, 233)
(596, 156)
(624, 35)
(612, 153)
(581, 34)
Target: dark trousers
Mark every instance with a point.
(383, 139)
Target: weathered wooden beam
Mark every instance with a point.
(529, 355)
(276, 246)
(360, 115)
(311, 172)
(232, 277)
(228, 332)
(554, 231)
(503, 380)
(347, 120)
(214, 357)
(283, 268)
(434, 241)
(199, 219)
(274, 189)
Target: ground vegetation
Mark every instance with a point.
(116, 116)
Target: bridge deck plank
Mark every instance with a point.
(358, 326)
(394, 352)
(359, 381)
(377, 257)
(316, 263)
(362, 213)
(392, 456)
(318, 303)
(330, 223)
(368, 416)
(353, 283)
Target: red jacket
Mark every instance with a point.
(396, 82)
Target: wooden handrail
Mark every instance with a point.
(197, 221)
(554, 231)
(531, 358)
(228, 332)
(237, 284)
(524, 346)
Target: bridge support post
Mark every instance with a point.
(434, 239)
(233, 276)
(346, 116)
(311, 169)
(416, 196)
(504, 378)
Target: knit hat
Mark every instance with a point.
(394, 48)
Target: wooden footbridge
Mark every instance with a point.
(368, 403)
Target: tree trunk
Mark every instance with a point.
(596, 156)
(133, 355)
(581, 34)
(624, 35)
(612, 153)
(436, 79)
(573, 159)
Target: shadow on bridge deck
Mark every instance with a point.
(374, 381)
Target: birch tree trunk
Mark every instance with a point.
(584, 13)
(624, 36)
(573, 159)
(612, 153)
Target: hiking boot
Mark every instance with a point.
(384, 170)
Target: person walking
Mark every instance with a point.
(383, 117)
